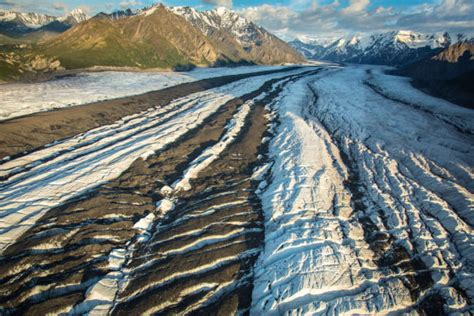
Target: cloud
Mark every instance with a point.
(219, 3)
(309, 18)
(58, 6)
(128, 4)
(7, 4)
(356, 6)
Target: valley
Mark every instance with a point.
(219, 157)
(274, 190)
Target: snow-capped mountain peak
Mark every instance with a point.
(74, 17)
(392, 48)
(222, 11)
(15, 23)
(30, 20)
(219, 18)
(416, 40)
(149, 10)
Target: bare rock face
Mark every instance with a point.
(21, 63)
(461, 51)
(45, 64)
(452, 62)
(243, 38)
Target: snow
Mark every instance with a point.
(391, 86)
(76, 15)
(149, 11)
(145, 223)
(165, 205)
(319, 41)
(412, 155)
(37, 20)
(219, 18)
(187, 274)
(32, 20)
(417, 40)
(363, 46)
(19, 99)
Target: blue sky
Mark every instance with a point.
(96, 6)
(298, 18)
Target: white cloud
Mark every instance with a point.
(356, 6)
(59, 6)
(357, 17)
(6, 4)
(219, 3)
(128, 4)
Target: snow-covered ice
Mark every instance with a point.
(17, 99)
(412, 156)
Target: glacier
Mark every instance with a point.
(357, 198)
(370, 204)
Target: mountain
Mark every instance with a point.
(115, 15)
(449, 74)
(153, 38)
(74, 17)
(450, 63)
(163, 37)
(308, 49)
(238, 36)
(17, 23)
(395, 48)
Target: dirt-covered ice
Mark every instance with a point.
(19, 99)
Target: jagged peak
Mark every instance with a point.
(77, 15)
(151, 9)
(223, 11)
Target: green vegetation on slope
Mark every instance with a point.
(101, 42)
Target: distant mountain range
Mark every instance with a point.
(17, 23)
(154, 37)
(396, 48)
(450, 63)
(441, 64)
(449, 74)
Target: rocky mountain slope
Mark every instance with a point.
(239, 36)
(449, 74)
(448, 64)
(17, 23)
(391, 48)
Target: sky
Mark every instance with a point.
(301, 18)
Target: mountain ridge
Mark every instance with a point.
(448, 74)
(155, 37)
(15, 24)
(229, 29)
(394, 48)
